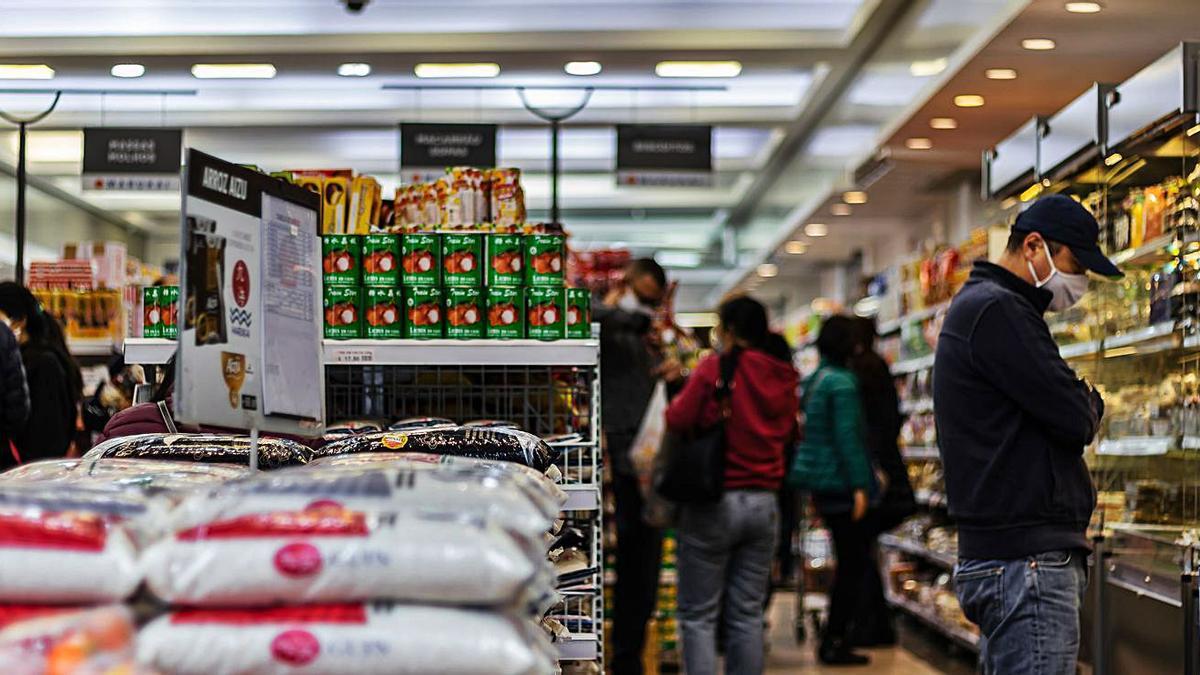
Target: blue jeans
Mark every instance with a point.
(1026, 609)
(725, 552)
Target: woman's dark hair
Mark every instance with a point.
(871, 368)
(42, 329)
(777, 346)
(836, 342)
(746, 318)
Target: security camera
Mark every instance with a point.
(355, 6)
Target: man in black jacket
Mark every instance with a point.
(14, 394)
(1013, 420)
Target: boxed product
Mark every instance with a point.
(160, 306)
(505, 260)
(421, 253)
(343, 310)
(422, 312)
(508, 199)
(544, 259)
(381, 260)
(381, 308)
(544, 313)
(579, 313)
(341, 259)
(461, 254)
(336, 190)
(366, 196)
(506, 318)
(464, 312)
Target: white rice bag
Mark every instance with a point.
(150, 476)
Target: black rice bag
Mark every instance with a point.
(492, 424)
(505, 445)
(412, 423)
(273, 453)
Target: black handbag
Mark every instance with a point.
(690, 468)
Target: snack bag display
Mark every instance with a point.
(422, 312)
(381, 260)
(462, 255)
(505, 313)
(579, 313)
(505, 260)
(273, 453)
(341, 259)
(383, 313)
(508, 199)
(421, 255)
(544, 313)
(343, 312)
(464, 312)
(504, 445)
(544, 258)
(65, 640)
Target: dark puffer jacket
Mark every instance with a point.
(14, 391)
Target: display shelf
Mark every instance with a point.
(1149, 340)
(91, 346)
(931, 498)
(1136, 446)
(913, 365)
(958, 634)
(1079, 349)
(579, 647)
(149, 351)
(1147, 252)
(918, 549)
(919, 315)
(581, 497)
(920, 452)
(921, 405)
(462, 352)
(1190, 443)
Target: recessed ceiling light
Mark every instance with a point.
(1194, 130)
(927, 67)
(1000, 74)
(918, 143)
(354, 69)
(1113, 159)
(698, 69)
(128, 70)
(438, 70)
(943, 123)
(816, 229)
(25, 71)
(968, 101)
(233, 71)
(1038, 44)
(841, 209)
(795, 247)
(768, 270)
(1084, 7)
(583, 68)
(854, 197)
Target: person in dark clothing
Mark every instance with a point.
(14, 397)
(55, 383)
(1013, 420)
(110, 396)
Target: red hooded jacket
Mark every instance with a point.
(762, 416)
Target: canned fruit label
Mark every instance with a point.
(341, 256)
(462, 257)
(151, 312)
(505, 314)
(423, 312)
(506, 262)
(544, 264)
(544, 313)
(381, 260)
(579, 313)
(168, 312)
(420, 260)
(343, 312)
(382, 313)
(464, 312)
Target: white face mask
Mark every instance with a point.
(629, 302)
(1066, 288)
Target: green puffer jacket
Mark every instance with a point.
(832, 458)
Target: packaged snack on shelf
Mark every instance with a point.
(461, 255)
(382, 313)
(65, 640)
(544, 259)
(422, 312)
(148, 476)
(381, 260)
(506, 445)
(341, 259)
(545, 318)
(273, 453)
(421, 255)
(505, 260)
(336, 191)
(343, 312)
(464, 312)
(579, 313)
(508, 199)
(366, 196)
(386, 639)
(505, 314)
(420, 423)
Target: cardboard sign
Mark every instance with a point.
(122, 158)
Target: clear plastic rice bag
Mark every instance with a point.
(146, 475)
(506, 445)
(273, 453)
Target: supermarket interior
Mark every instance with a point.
(403, 336)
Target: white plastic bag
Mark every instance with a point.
(643, 453)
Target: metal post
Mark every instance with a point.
(1188, 596)
(554, 126)
(20, 273)
(555, 118)
(1099, 581)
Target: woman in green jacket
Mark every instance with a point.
(832, 464)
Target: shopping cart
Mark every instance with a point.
(813, 570)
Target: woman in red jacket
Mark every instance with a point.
(726, 548)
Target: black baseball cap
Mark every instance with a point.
(1064, 220)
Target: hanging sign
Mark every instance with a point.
(427, 149)
(250, 344)
(664, 155)
(123, 158)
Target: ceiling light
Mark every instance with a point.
(436, 70)
(943, 123)
(854, 197)
(354, 69)
(841, 209)
(1038, 44)
(927, 68)
(918, 144)
(1113, 159)
(128, 70)
(1194, 130)
(816, 230)
(768, 270)
(233, 71)
(698, 69)
(795, 247)
(696, 319)
(25, 71)
(679, 258)
(1084, 7)
(1000, 74)
(968, 101)
(583, 68)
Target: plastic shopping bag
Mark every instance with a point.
(643, 453)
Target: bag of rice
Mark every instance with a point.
(63, 640)
(273, 453)
(506, 445)
(421, 423)
(146, 475)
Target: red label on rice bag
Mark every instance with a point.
(321, 522)
(73, 532)
(299, 559)
(10, 614)
(339, 614)
(295, 647)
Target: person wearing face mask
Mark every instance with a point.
(1013, 420)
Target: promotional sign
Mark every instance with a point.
(250, 344)
(427, 149)
(664, 155)
(119, 158)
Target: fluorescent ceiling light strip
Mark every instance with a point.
(583, 68)
(443, 70)
(698, 69)
(233, 71)
(25, 71)
(354, 69)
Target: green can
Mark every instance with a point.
(545, 313)
(505, 260)
(544, 263)
(343, 312)
(423, 312)
(383, 313)
(579, 313)
(168, 306)
(341, 259)
(421, 259)
(464, 312)
(505, 313)
(381, 260)
(462, 259)
(151, 312)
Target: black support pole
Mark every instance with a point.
(554, 128)
(20, 273)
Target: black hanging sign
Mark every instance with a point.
(664, 154)
(125, 158)
(427, 149)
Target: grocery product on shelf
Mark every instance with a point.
(545, 315)
(544, 260)
(505, 259)
(149, 476)
(160, 305)
(343, 312)
(464, 312)
(505, 312)
(461, 258)
(420, 258)
(382, 313)
(412, 423)
(341, 259)
(380, 260)
(273, 453)
(597, 269)
(423, 315)
(579, 313)
(63, 640)
(508, 445)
